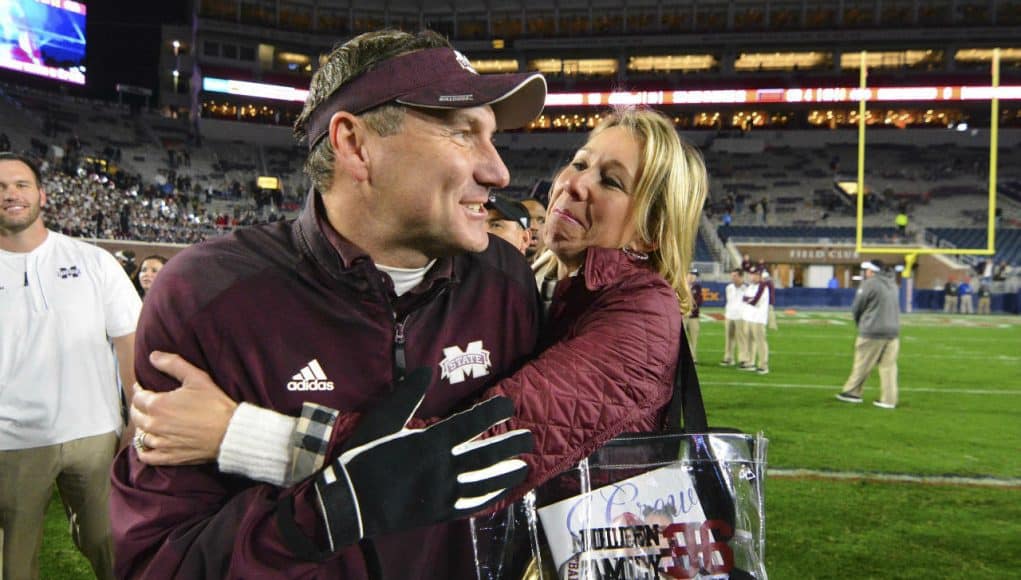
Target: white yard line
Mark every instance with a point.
(894, 477)
(836, 387)
(959, 355)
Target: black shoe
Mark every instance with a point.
(848, 398)
(726, 363)
(746, 367)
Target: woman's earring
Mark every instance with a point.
(634, 254)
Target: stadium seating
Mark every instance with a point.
(943, 187)
(1008, 241)
(784, 233)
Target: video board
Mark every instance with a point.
(44, 38)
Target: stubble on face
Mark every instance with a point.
(434, 177)
(20, 200)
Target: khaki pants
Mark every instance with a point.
(950, 304)
(734, 338)
(967, 307)
(758, 348)
(81, 470)
(983, 305)
(868, 352)
(691, 329)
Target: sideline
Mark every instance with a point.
(843, 353)
(894, 477)
(836, 387)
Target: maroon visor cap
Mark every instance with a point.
(434, 78)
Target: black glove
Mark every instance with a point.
(392, 478)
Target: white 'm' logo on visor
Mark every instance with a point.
(465, 63)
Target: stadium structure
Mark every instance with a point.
(767, 90)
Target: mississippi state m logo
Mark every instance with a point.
(457, 364)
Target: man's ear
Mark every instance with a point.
(347, 136)
(526, 238)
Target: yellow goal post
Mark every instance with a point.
(912, 252)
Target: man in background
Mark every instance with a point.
(63, 303)
(965, 297)
(536, 225)
(950, 295)
(756, 316)
(984, 299)
(509, 220)
(876, 311)
(692, 325)
(734, 337)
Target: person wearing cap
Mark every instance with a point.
(756, 316)
(126, 258)
(387, 269)
(619, 291)
(691, 321)
(509, 220)
(876, 311)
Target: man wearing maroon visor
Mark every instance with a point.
(387, 270)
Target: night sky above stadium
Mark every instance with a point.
(124, 41)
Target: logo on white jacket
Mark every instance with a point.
(471, 362)
(310, 378)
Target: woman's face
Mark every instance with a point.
(147, 273)
(591, 199)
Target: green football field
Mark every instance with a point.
(931, 489)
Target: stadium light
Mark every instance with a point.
(604, 99)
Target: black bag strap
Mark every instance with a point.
(687, 396)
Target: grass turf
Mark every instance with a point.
(960, 392)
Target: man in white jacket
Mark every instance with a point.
(734, 333)
(755, 316)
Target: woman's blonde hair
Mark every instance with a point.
(669, 193)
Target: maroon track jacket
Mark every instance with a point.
(612, 338)
(253, 309)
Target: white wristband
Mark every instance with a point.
(257, 444)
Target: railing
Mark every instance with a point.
(716, 246)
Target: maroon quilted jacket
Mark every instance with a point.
(612, 341)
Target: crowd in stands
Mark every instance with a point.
(92, 204)
(183, 192)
